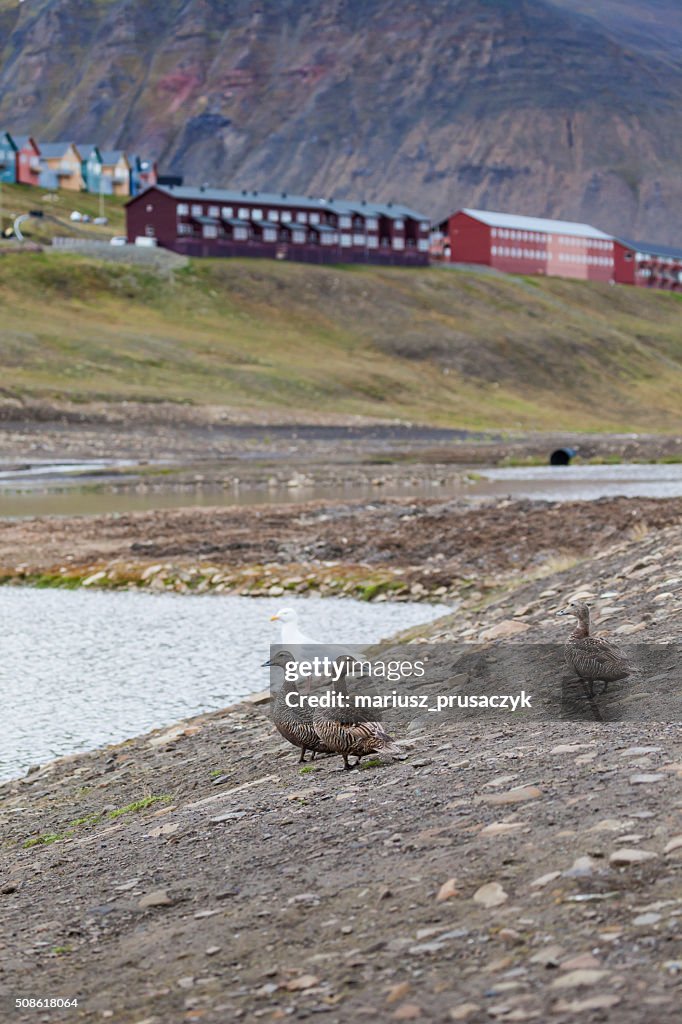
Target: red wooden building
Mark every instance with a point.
(647, 265)
(221, 222)
(525, 245)
(28, 160)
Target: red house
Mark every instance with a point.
(222, 222)
(525, 245)
(647, 265)
(28, 160)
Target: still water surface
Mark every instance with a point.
(79, 669)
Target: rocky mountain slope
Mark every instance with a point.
(533, 106)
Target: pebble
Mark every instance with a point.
(645, 779)
(464, 1011)
(408, 1011)
(602, 1002)
(627, 856)
(397, 992)
(581, 868)
(490, 895)
(157, 898)
(579, 978)
(544, 880)
(674, 844)
(513, 796)
(447, 890)
(576, 963)
(301, 983)
(646, 919)
(499, 828)
(548, 957)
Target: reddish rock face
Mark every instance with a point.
(526, 107)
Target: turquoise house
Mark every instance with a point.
(91, 166)
(8, 159)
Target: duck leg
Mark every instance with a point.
(302, 757)
(346, 766)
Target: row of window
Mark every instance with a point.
(299, 236)
(277, 216)
(542, 254)
(592, 261)
(539, 236)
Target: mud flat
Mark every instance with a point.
(518, 871)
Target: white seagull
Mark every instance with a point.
(291, 633)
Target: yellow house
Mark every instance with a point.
(61, 164)
(116, 167)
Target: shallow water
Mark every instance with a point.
(79, 670)
(78, 489)
(584, 483)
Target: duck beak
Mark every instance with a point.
(562, 611)
(266, 664)
(274, 618)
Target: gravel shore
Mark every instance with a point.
(501, 872)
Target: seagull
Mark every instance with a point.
(291, 634)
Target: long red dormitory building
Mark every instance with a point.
(198, 221)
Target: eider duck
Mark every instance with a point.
(350, 731)
(294, 723)
(592, 657)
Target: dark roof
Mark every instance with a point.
(52, 150)
(10, 138)
(86, 148)
(206, 220)
(653, 248)
(236, 223)
(112, 156)
(21, 140)
(237, 196)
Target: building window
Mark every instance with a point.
(423, 245)
(227, 212)
(210, 231)
(344, 222)
(302, 218)
(213, 211)
(358, 239)
(399, 225)
(398, 243)
(273, 215)
(286, 216)
(149, 230)
(372, 224)
(182, 209)
(256, 214)
(184, 229)
(240, 234)
(149, 207)
(243, 213)
(345, 239)
(373, 242)
(298, 236)
(269, 234)
(197, 209)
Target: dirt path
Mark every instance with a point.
(198, 874)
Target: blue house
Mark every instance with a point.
(91, 167)
(8, 159)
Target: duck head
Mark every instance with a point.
(578, 609)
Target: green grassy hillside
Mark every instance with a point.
(439, 346)
(56, 208)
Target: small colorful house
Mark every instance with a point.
(143, 173)
(27, 160)
(116, 167)
(8, 159)
(91, 166)
(62, 163)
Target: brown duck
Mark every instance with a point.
(592, 657)
(294, 723)
(350, 731)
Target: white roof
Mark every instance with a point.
(553, 227)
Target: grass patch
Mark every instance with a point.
(374, 762)
(430, 346)
(307, 769)
(139, 805)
